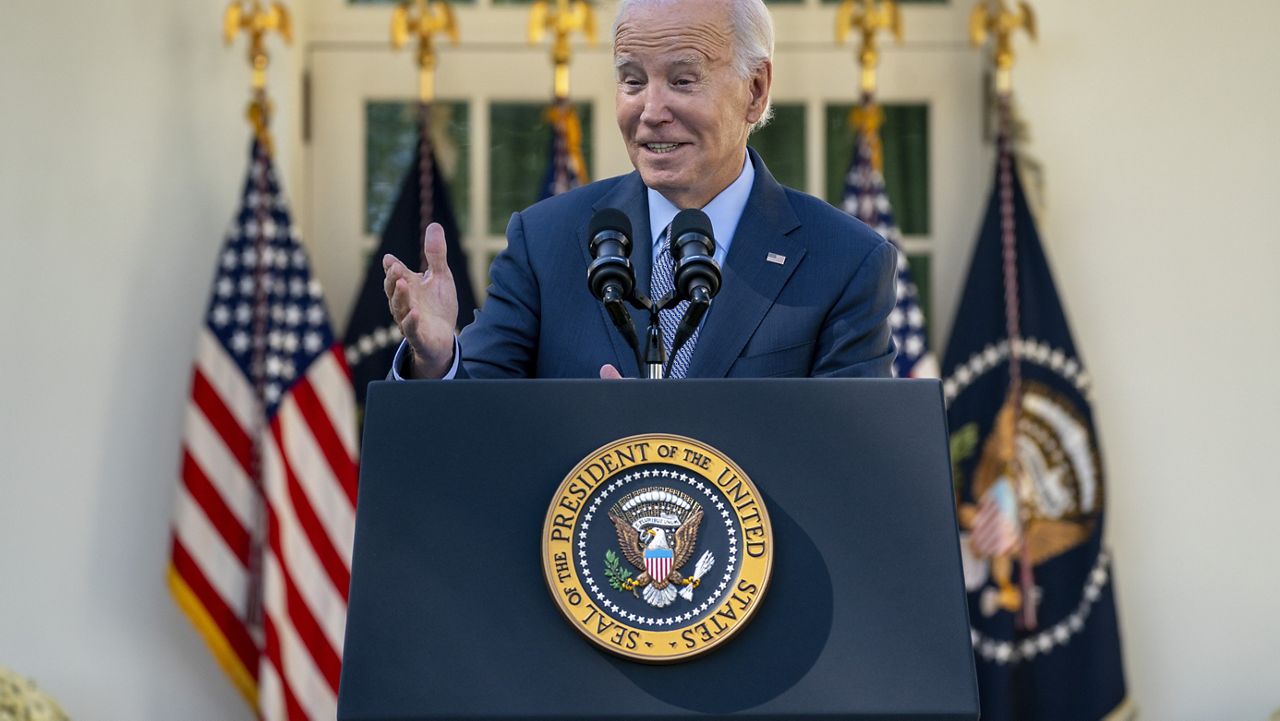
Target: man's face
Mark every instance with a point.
(683, 111)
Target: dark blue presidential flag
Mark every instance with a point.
(372, 335)
(1030, 483)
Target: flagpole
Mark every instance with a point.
(424, 19)
(995, 18)
(562, 19)
(868, 18)
(258, 20)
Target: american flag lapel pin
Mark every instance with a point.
(775, 258)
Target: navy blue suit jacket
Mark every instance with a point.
(821, 312)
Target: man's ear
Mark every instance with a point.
(760, 84)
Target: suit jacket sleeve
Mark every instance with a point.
(855, 341)
(503, 340)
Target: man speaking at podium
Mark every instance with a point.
(806, 288)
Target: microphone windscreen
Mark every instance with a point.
(692, 219)
(610, 219)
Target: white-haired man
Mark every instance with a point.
(806, 289)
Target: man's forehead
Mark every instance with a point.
(672, 49)
(682, 29)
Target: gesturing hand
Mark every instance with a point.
(425, 305)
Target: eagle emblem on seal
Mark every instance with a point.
(657, 532)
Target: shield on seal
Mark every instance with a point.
(657, 561)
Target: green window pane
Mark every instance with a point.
(391, 140)
(781, 144)
(920, 273)
(905, 138)
(519, 143)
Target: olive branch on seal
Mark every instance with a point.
(614, 571)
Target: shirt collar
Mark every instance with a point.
(724, 210)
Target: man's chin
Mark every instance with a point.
(664, 180)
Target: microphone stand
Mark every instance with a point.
(654, 361)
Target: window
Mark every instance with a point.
(519, 150)
(905, 138)
(391, 137)
(905, 141)
(781, 144)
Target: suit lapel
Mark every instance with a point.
(629, 196)
(751, 282)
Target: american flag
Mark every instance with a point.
(865, 199)
(566, 169)
(265, 516)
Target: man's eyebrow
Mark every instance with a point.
(692, 59)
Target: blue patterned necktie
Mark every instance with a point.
(660, 283)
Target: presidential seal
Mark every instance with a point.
(1030, 493)
(658, 548)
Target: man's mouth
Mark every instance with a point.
(661, 147)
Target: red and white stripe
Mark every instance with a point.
(293, 481)
(993, 533)
(658, 567)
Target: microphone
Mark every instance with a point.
(697, 274)
(610, 276)
(693, 247)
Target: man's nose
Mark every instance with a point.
(656, 110)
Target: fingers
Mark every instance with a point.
(424, 305)
(608, 372)
(394, 271)
(396, 286)
(435, 250)
(392, 264)
(399, 299)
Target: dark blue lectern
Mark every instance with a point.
(450, 616)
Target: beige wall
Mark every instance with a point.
(1156, 122)
(122, 154)
(122, 151)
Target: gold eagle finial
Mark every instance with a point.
(564, 19)
(258, 19)
(425, 19)
(994, 17)
(868, 17)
